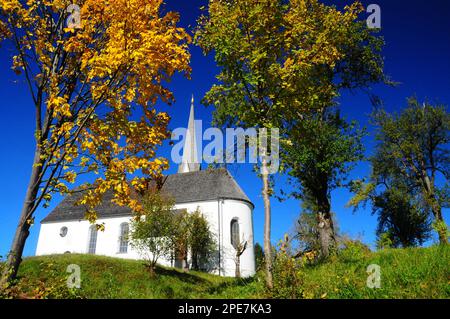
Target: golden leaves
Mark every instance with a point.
(59, 105)
(70, 177)
(9, 6)
(93, 79)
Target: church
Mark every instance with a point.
(214, 192)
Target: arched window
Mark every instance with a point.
(92, 239)
(123, 238)
(234, 227)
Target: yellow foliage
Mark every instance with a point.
(91, 80)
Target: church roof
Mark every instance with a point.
(197, 186)
(206, 185)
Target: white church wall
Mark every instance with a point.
(229, 210)
(77, 237)
(242, 212)
(50, 241)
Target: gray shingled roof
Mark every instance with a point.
(183, 188)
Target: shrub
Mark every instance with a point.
(353, 251)
(384, 241)
(288, 275)
(50, 284)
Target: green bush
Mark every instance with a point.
(288, 275)
(353, 251)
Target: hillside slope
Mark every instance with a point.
(405, 273)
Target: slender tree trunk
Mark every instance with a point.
(185, 262)
(22, 230)
(238, 266)
(267, 225)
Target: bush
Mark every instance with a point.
(50, 284)
(288, 275)
(384, 241)
(353, 251)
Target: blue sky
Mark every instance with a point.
(417, 54)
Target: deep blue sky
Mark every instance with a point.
(417, 54)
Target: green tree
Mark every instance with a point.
(279, 59)
(259, 256)
(323, 148)
(152, 231)
(179, 237)
(401, 219)
(306, 230)
(202, 243)
(413, 149)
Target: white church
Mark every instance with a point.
(214, 192)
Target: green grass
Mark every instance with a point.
(107, 277)
(405, 273)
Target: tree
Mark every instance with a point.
(323, 148)
(179, 237)
(93, 88)
(279, 59)
(401, 219)
(239, 248)
(152, 230)
(306, 229)
(201, 241)
(412, 150)
(160, 230)
(259, 256)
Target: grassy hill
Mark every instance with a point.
(405, 273)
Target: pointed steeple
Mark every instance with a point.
(189, 162)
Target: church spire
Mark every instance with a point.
(190, 162)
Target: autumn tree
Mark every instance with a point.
(323, 148)
(94, 76)
(280, 59)
(411, 155)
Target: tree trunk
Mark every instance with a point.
(238, 266)
(436, 209)
(441, 230)
(185, 262)
(267, 225)
(195, 265)
(22, 230)
(326, 227)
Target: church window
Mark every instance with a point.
(63, 231)
(234, 226)
(92, 239)
(123, 239)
